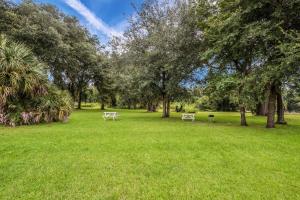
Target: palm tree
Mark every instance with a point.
(19, 69)
(20, 77)
(24, 87)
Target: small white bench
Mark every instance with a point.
(189, 116)
(110, 115)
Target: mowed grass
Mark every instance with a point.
(142, 156)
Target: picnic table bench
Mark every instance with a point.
(110, 115)
(188, 116)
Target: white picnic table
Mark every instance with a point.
(110, 115)
(188, 116)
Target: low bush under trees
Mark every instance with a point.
(26, 95)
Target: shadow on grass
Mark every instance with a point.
(222, 119)
(230, 119)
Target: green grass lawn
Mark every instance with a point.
(142, 156)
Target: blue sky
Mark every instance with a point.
(104, 18)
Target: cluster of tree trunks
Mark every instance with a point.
(151, 107)
(274, 104)
(275, 96)
(262, 109)
(112, 101)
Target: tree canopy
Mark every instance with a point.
(230, 55)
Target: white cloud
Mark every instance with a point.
(96, 22)
(121, 26)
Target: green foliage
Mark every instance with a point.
(187, 107)
(26, 95)
(104, 85)
(292, 96)
(254, 43)
(67, 49)
(245, 46)
(91, 94)
(221, 91)
(190, 108)
(203, 103)
(163, 43)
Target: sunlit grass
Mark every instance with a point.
(142, 156)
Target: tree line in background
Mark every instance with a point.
(228, 54)
(223, 55)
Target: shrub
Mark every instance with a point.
(190, 108)
(26, 96)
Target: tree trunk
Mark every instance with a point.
(243, 116)
(280, 109)
(242, 107)
(79, 100)
(102, 106)
(166, 113)
(128, 105)
(113, 101)
(271, 107)
(166, 107)
(258, 109)
(151, 107)
(85, 99)
(154, 108)
(261, 109)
